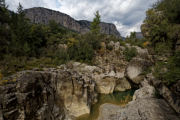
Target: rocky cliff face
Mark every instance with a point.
(52, 94)
(43, 16)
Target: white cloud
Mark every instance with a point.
(125, 30)
(127, 15)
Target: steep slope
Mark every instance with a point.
(44, 15)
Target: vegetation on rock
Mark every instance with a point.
(161, 28)
(130, 53)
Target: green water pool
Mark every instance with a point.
(117, 98)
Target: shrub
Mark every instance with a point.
(173, 69)
(81, 51)
(168, 73)
(12, 64)
(61, 57)
(162, 48)
(130, 53)
(122, 43)
(110, 47)
(93, 39)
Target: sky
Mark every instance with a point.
(127, 15)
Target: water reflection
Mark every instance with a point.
(117, 98)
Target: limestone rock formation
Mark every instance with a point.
(173, 98)
(135, 68)
(138, 65)
(50, 94)
(143, 107)
(31, 96)
(106, 83)
(112, 61)
(144, 92)
(43, 16)
(122, 85)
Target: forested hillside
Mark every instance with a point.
(25, 45)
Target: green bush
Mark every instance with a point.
(61, 56)
(93, 39)
(162, 48)
(168, 73)
(12, 64)
(82, 51)
(122, 43)
(130, 53)
(109, 47)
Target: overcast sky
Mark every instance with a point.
(127, 15)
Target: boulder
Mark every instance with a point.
(144, 92)
(111, 43)
(106, 85)
(122, 85)
(143, 53)
(141, 109)
(135, 69)
(169, 95)
(116, 46)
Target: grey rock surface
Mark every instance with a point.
(141, 109)
(50, 94)
(171, 97)
(145, 106)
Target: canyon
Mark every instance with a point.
(69, 91)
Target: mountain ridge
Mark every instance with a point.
(44, 15)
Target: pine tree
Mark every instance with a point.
(20, 12)
(21, 31)
(20, 9)
(4, 13)
(95, 25)
(4, 28)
